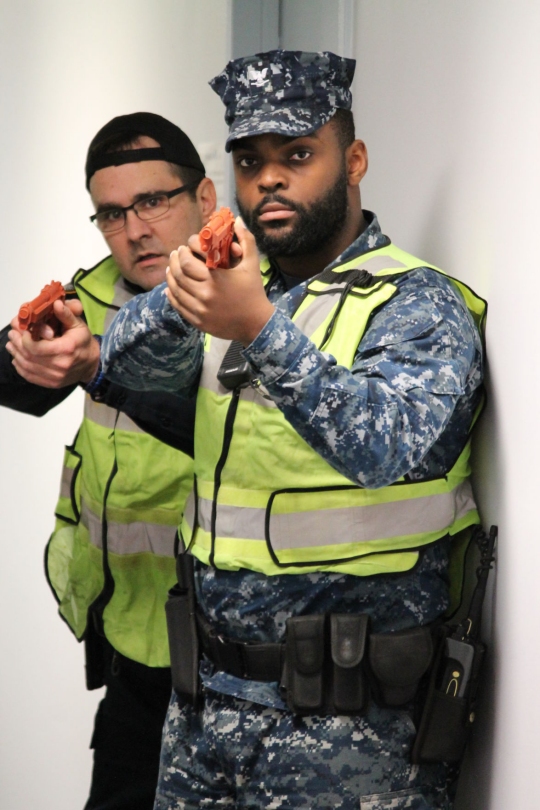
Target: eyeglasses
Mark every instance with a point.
(151, 207)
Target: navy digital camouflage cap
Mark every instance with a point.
(289, 92)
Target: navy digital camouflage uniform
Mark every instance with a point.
(404, 408)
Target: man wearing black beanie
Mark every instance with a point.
(110, 559)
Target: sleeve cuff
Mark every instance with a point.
(98, 384)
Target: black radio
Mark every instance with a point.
(235, 371)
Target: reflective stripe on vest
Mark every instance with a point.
(117, 470)
(129, 538)
(280, 507)
(367, 523)
(107, 417)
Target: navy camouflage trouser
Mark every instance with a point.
(238, 754)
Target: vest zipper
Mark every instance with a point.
(227, 438)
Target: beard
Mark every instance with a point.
(315, 226)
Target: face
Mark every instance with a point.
(141, 249)
(292, 192)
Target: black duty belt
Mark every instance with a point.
(254, 662)
(394, 663)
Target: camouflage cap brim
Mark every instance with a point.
(293, 121)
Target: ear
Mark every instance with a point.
(206, 199)
(356, 158)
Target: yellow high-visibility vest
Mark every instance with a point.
(266, 501)
(121, 498)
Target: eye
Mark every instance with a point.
(246, 162)
(150, 203)
(301, 155)
(113, 215)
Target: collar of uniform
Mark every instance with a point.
(370, 239)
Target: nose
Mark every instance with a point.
(272, 178)
(135, 227)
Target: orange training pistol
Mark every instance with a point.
(216, 238)
(41, 309)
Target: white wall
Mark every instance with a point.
(447, 99)
(65, 69)
(318, 26)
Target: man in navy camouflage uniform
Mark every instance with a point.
(405, 408)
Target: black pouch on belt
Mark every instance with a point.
(348, 635)
(304, 664)
(450, 705)
(449, 709)
(182, 631)
(398, 661)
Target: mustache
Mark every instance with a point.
(275, 198)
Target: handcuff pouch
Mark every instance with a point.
(398, 661)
